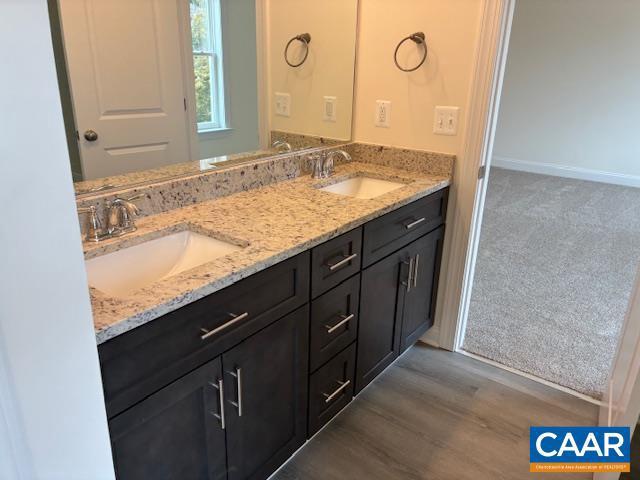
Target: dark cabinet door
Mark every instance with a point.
(266, 391)
(420, 298)
(381, 300)
(174, 434)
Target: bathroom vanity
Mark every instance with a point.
(250, 267)
(232, 384)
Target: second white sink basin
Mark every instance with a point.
(363, 187)
(125, 271)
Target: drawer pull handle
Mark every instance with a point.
(342, 262)
(220, 387)
(342, 386)
(415, 271)
(238, 376)
(235, 319)
(410, 278)
(344, 320)
(409, 226)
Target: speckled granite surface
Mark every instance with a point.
(167, 172)
(406, 159)
(275, 222)
(300, 141)
(175, 193)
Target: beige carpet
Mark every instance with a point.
(556, 265)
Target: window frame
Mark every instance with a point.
(219, 120)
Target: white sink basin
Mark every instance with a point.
(121, 273)
(363, 187)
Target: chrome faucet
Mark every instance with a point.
(120, 215)
(120, 219)
(323, 164)
(282, 146)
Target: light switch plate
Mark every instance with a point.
(283, 104)
(329, 109)
(445, 120)
(383, 114)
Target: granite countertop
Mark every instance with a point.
(272, 223)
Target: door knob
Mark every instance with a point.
(90, 136)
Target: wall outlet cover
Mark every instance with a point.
(283, 104)
(383, 114)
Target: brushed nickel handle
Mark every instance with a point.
(344, 320)
(342, 262)
(410, 277)
(415, 270)
(220, 416)
(409, 226)
(235, 319)
(238, 376)
(90, 136)
(337, 391)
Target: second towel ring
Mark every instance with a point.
(305, 38)
(419, 39)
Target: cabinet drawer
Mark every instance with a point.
(334, 321)
(149, 357)
(335, 261)
(394, 230)
(331, 388)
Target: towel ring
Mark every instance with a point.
(305, 38)
(419, 39)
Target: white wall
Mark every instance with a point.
(571, 93)
(451, 28)
(328, 71)
(239, 30)
(51, 380)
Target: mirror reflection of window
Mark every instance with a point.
(206, 40)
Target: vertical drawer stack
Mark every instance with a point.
(335, 292)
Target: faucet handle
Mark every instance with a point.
(315, 161)
(121, 213)
(94, 229)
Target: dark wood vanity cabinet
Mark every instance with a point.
(420, 297)
(173, 433)
(266, 397)
(398, 293)
(230, 386)
(239, 416)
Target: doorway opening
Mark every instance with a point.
(560, 238)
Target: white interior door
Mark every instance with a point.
(125, 71)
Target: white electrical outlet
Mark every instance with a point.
(283, 104)
(445, 120)
(329, 110)
(383, 114)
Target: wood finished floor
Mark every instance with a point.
(438, 415)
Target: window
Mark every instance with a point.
(206, 41)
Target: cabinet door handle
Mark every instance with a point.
(415, 270)
(219, 385)
(337, 391)
(344, 320)
(238, 376)
(342, 262)
(235, 319)
(410, 278)
(409, 226)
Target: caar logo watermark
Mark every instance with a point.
(579, 449)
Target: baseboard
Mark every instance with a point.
(566, 171)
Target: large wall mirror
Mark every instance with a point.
(153, 89)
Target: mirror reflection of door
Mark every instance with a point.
(126, 76)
